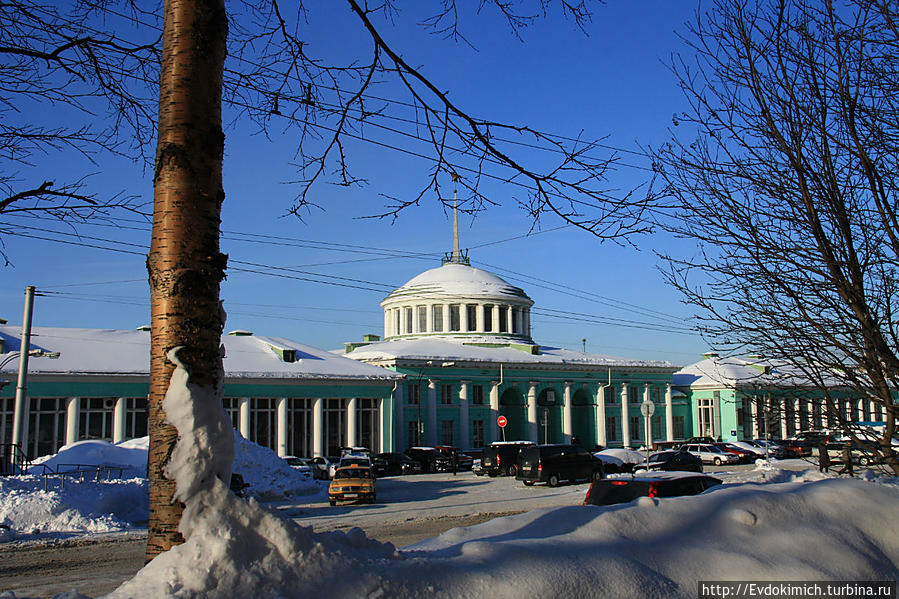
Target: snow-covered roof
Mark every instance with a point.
(468, 350)
(458, 281)
(717, 371)
(125, 352)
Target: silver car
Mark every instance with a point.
(710, 454)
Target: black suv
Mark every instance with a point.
(554, 463)
(501, 457)
(431, 459)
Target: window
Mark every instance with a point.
(706, 428)
(136, 417)
(407, 313)
(232, 407)
(262, 421)
(455, 323)
(414, 433)
(413, 395)
(656, 427)
(95, 418)
(396, 321)
(488, 317)
(611, 428)
(477, 394)
(516, 317)
(446, 394)
(636, 427)
(656, 394)
(422, 315)
(503, 319)
(477, 433)
(611, 396)
(472, 311)
(446, 432)
(633, 394)
(437, 317)
(679, 427)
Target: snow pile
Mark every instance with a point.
(268, 475)
(131, 455)
(27, 509)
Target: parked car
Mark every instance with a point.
(710, 454)
(744, 455)
(299, 464)
(610, 491)
(463, 461)
(703, 440)
(430, 459)
(500, 458)
(349, 460)
(773, 449)
(554, 463)
(672, 460)
(350, 450)
(321, 467)
(394, 464)
(352, 483)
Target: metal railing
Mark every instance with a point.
(13, 460)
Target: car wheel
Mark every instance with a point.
(529, 483)
(717, 461)
(333, 502)
(553, 480)
(863, 460)
(512, 470)
(597, 475)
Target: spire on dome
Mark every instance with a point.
(456, 256)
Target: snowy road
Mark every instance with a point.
(409, 509)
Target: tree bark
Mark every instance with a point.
(185, 265)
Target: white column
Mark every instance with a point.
(716, 417)
(318, 427)
(495, 323)
(383, 429)
(532, 411)
(526, 321)
(463, 317)
(430, 317)
(669, 413)
(566, 412)
(625, 420)
(509, 319)
(281, 426)
(351, 422)
(783, 418)
(399, 423)
(480, 318)
(118, 419)
(464, 433)
(601, 414)
(386, 324)
(432, 413)
(754, 410)
(244, 408)
(797, 419)
(492, 433)
(73, 418)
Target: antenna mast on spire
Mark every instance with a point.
(456, 256)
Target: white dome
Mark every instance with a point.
(459, 301)
(458, 282)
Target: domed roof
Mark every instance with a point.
(461, 281)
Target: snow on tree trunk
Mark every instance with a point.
(185, 265)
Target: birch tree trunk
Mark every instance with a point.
(185, 265)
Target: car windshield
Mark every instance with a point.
(353, 473)
(660, 457)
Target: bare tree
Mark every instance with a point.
(784, 174)
(55, 63)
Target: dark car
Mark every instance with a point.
(394, 464)
(554, 463)
(610, 491)
(672, 460)
(430, 459)
(745, 455)
(463, 461)
(501, 457)
(707, 440)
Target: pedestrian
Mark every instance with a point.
(823, 458)
(454, 462)
(847, 458)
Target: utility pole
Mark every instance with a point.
(19, 410)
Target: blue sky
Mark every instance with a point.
(612, 84)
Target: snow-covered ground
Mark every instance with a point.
(772, 521)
